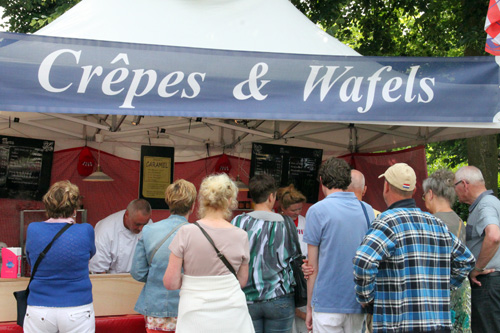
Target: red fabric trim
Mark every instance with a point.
(103, 199)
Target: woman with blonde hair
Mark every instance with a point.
(439, 196)
(157, 304)
(60, 293)
(211, 299)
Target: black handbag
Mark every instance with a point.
(21, 296)
(300, 288)
(22, 303)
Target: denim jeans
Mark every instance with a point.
(274, 315)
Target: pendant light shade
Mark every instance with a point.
(98, 175)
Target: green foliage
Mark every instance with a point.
(28, 16)
(402, 27)
(446, 154)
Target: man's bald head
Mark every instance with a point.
(357, 185)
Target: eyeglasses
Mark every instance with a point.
(423, 196)
(460, 181)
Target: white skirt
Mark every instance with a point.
(212, 304)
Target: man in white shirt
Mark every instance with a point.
(116, 237)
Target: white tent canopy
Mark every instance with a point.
(243, 25)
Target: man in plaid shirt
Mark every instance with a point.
(407, 262)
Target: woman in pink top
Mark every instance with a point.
(211, 299)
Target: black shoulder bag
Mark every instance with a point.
(300, 288)
(22, 295)
(219, 254)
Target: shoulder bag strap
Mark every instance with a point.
(366, 214)
(164, 240)
(293, 234)
(219, 254)
(44, 252)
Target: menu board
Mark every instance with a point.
(157, 172)
(25, 167)
(289, 165)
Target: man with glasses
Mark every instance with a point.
(483, 239)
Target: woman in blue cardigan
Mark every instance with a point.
(157, 304)
(60, 298)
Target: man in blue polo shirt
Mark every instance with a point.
(335, 227)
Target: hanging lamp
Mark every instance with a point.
(98, 175)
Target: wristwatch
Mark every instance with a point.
(479, 269)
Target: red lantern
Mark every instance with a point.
(223, 165)
(86, 162)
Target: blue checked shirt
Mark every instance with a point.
(406, 265)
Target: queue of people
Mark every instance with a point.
(400, 270)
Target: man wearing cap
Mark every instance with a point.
(334, 229)
(408, 261)
(483, 239)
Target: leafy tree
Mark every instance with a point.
(402, 27)
(28, 16)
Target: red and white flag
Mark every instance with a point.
(492, 28)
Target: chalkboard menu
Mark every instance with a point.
(25, 167)
(289, 165)
(157, 172)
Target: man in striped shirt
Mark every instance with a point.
(408, 261)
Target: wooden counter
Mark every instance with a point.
(114, 294)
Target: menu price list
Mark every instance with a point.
(25, 167)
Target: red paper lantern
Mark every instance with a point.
(86, 162)
(223, 165)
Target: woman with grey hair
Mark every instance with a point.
(439, 196)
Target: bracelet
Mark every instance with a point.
(479, 269)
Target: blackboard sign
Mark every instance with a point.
(157, 172)
(25, 167)
(289, 165)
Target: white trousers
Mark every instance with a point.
(337, 322)
(74, 319)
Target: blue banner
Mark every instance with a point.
(63, 75)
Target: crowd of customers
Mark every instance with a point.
(399, 270)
